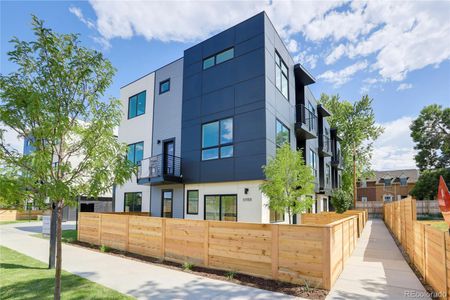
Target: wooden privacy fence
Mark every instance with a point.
(427, 247)
(13, 215)
(313, 254)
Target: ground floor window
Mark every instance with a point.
(221, 207)
(132, 202)
(167, 204)
(192, 202)
(325, 204)
(276, 216)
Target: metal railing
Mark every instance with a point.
(325, 143)
(306, 116)
(159, 165)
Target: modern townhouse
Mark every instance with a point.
(202, 127)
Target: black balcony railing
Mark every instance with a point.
(159, 166)
(325, 143)
(306, 117)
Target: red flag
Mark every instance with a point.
(444, 200)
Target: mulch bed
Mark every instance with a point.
(416, 271)
(242, 279)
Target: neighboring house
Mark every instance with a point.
(202, 127)
(387, 185)
(103, 203)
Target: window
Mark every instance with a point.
(221, 207)
(282, 134)
(276, 216)
(364, 199)
(313, 161)
(218, 58)
(164, 86)
(281, 75)
(387, 198)
(135, 152)
(324, 204)
(327, 174)
(167, 204)
(387, 181)
(136, 105)
(403, 181)
(363, 183)
(217, 139)
(192, 202)
(132, 202)
(311, 117)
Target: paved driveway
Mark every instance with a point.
(138, 279)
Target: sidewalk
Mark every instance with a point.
(377, 270)
(137, 279)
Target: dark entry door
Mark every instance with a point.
(168, 159)
(167, 204)
(87, 207)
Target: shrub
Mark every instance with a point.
(230, 275)
(187, 266)
(104, 248)
(341, 200)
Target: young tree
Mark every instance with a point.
(426, 187)
(431, 133)
(341, 200)
(356, 125)
(289, 182)
(53, 99)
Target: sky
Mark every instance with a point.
(397, 52)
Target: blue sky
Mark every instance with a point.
(397, 52)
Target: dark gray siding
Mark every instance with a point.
(235, 88)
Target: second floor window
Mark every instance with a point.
(281, 75)
(135, 152)
(327, 174)
(164, 86)
(281, 134)
(217, 139)
(136, 105)
(403, 181)
(387, 181)
(313, 161)
(218, 58)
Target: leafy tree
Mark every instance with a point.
(341, 200)
(289, 182)
(53, 99)
(426, 187)
(431, 133)
(356, 125)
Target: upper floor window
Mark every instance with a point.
(218, 58)
(403, 181)
(136, 105)
(217, 139)
(281, 134)
(327, 174)
(363, 183)
(281, 75)
(164, 86)
(135, 152)
(313, 161)
(387, 181)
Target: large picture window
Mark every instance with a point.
(192, 202)
(281, 75)
(276, 216)
(281, 134)
(135, 152)
(221, 207)
(217, 139)
(136, 105)
(132, 202)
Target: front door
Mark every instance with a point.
(168, 157)
(167, 204)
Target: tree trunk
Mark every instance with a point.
(355, 196)
(57, 294)
(53, 222)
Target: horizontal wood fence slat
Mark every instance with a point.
(427, 247)
(313, 253)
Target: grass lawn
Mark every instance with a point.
(441, 225)
(68, 236)
(22, 277)
(17, 221)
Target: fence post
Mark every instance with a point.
(163, 238)
(206, 245)
(100, 229)
(274, 251)
(326, 253)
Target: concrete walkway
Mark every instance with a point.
(138, 279)
(377, 270)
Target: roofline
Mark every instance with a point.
(174, 61)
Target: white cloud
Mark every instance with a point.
(306, 59)
(12, 139)
(395, 37)
(79, 14)
(340, 77)
(404, 86)
(394, 149)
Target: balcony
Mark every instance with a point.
(159, 169)
(336, 161)
(325, 146)
(306, 123)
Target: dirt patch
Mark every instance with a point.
(303, 291)
(416, 271)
